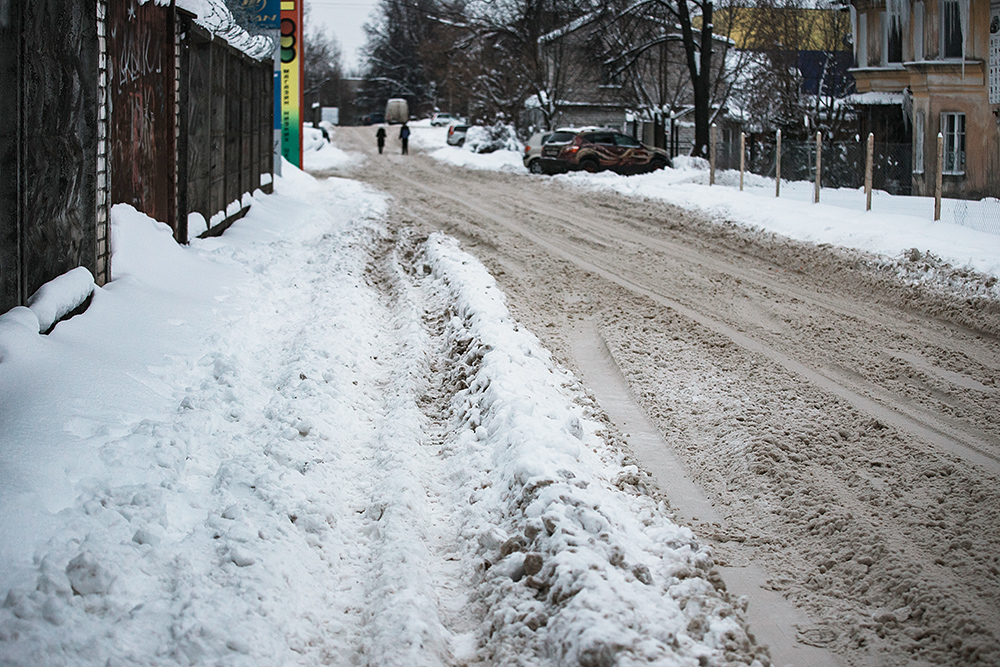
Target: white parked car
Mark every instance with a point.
(456, 134)
(441, 119)
(533, 151)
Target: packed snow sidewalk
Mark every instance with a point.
(315, 440)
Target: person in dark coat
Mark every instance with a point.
(380, 138)
(404, 136)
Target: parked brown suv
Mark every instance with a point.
(600, 150)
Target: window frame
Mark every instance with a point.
(954, 143)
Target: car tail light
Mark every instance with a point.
(451, 130)
(570, 150)
(527, 149)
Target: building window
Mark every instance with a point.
(918, 143)
(953, 129)
(951, 29)
(892, 40)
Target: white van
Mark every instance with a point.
(397, 110)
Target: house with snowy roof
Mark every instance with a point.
(926, 67)
(582, 91)
(605, 71)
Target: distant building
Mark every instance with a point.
(585, 93)
(933, 66)
(818, 41)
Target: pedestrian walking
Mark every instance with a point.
(404, 136)
(380, 138)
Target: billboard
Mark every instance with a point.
(291, 81)
(257, 17)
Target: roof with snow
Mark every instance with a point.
(875, 99)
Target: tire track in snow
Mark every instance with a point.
(419, 612)
(902, 495)
(911, 419)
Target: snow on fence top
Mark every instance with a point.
(217, 19)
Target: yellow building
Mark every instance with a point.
(933, 66)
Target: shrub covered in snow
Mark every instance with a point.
(690, 163)
(489, 139)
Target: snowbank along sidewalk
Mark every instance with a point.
(315, 440)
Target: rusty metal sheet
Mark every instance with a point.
(141, 87)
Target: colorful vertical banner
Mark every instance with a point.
(291, 81)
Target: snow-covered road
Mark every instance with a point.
(837, 407)
(320, 439)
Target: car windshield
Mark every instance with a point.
(626, 141)
(561, 137)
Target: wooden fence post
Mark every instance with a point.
(819, 165)
(743, 153)
(870, 156)
(777, 167)
(937, 181)
(711, 155)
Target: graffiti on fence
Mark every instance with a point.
(141, 133)
(139, 58)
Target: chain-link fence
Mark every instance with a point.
(843, 166)
(982, 215)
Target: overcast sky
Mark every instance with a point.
(344, 18)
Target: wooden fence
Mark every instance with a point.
(108, 101)
(226, 120)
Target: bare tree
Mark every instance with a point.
(647, 32)
(411, 53)
(798, 73)
(519, 57)
(323, 68)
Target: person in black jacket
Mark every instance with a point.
(380, 138)
(404, 136)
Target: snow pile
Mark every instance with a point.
(307, 442)
(57, 298)
(433, 140)
(319, 154)
(582, 565)
(502, 160)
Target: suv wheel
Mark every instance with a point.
(536, 167)
(590, 165)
